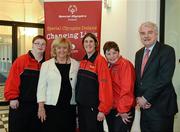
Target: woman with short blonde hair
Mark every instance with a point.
(56, 89)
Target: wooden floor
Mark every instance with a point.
(1, 93)
(4, 118)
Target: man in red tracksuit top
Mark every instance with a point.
(94, 88)
(21, 87)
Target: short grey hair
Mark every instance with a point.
(149, 24)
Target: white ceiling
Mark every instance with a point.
(22, 10)
(16, 1)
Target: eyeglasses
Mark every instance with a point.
(40, 44)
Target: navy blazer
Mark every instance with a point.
(156, 82)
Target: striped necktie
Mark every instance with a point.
(145, 59)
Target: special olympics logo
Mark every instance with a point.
(72, 9)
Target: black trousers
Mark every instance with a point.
(88, 120)
(156, 123)
(24, 118)
(60, 119)
(115, 124)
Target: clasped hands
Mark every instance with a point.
(143, 103)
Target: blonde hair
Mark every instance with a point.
(57, 42)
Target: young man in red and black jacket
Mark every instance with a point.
(21, 87)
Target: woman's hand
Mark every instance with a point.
(41, 112)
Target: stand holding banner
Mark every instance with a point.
(72, 19)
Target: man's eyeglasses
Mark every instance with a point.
(40, 44)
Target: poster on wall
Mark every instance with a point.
(72, 19)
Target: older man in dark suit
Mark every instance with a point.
(155, 94)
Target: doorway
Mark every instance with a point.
(170, 34)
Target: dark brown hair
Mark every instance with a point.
(38, 37)
(92, 36)
(110, 45)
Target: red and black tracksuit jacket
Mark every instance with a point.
(94, 86)
(23, 79)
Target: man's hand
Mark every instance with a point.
(143, 103)
(14, 104)
(125, 117)
(100, 116)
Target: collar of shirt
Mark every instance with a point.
(92, 58)
(150, 48)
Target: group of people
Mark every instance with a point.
(45, 96)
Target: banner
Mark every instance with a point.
(72, 19)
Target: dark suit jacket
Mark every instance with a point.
(156, 82)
